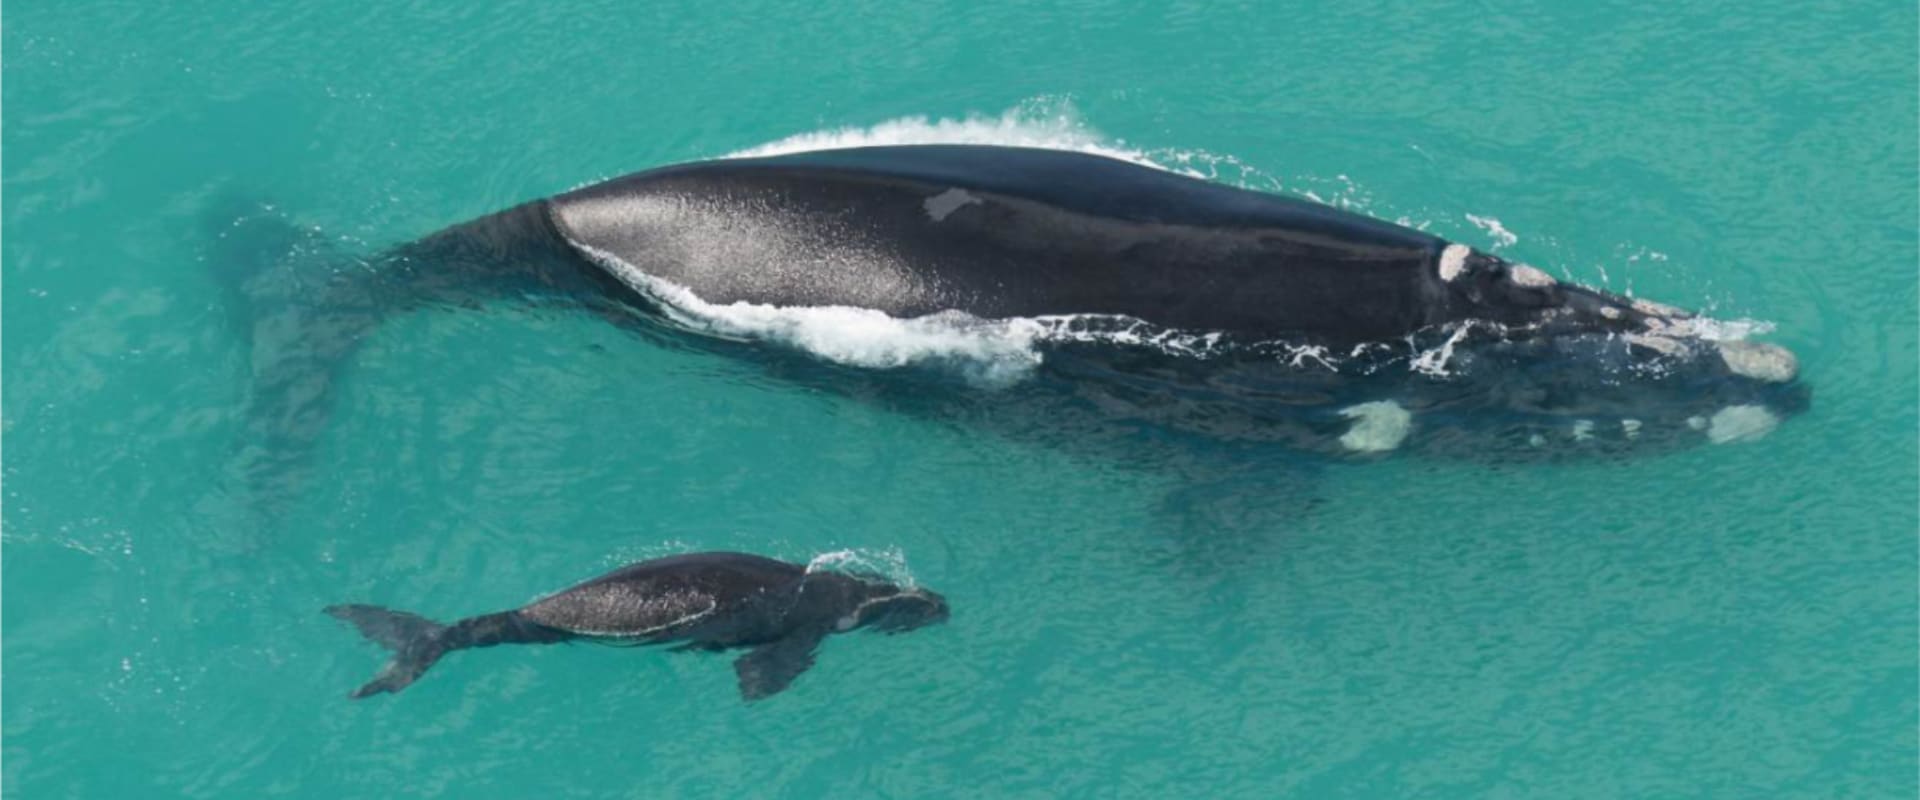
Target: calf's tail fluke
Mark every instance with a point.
(416, 643)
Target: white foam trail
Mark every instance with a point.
(1501, 236)
(889, 563)
(1043, 124)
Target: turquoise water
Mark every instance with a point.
(1734, 621)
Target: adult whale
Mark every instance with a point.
(1185, 302)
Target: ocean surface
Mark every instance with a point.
(1129, 620)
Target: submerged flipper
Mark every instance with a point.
(770, 668)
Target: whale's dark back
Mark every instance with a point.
(658, 597)
(1003, 232)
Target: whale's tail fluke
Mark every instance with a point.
(303, 309)
(416, 642)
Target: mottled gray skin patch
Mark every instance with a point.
(947, 202)
(1524, 275)
(621, 609)
(1658, 309)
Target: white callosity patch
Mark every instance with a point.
(1630, 427)
(1760, 361)
(1524, 275)
(1658, 309)
(1582, 430)
(1678, 324)
(1453, 261)
(1741, 423)
(1661, 344)
(1378, 426)
(1674, 333)
(947, 202)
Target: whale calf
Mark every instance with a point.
(1148, 294)
(704, 601)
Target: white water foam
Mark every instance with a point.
(1502, 238)
(1433, 362)
(1048, 124)
(990, 353)
(889, 563)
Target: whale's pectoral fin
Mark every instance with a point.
(770, 668)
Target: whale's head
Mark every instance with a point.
(1567, 364)
(892, 609)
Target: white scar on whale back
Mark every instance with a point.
(1529, 276)
(1453, 261)
(947, 202)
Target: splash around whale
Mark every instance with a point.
(1156, 296)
